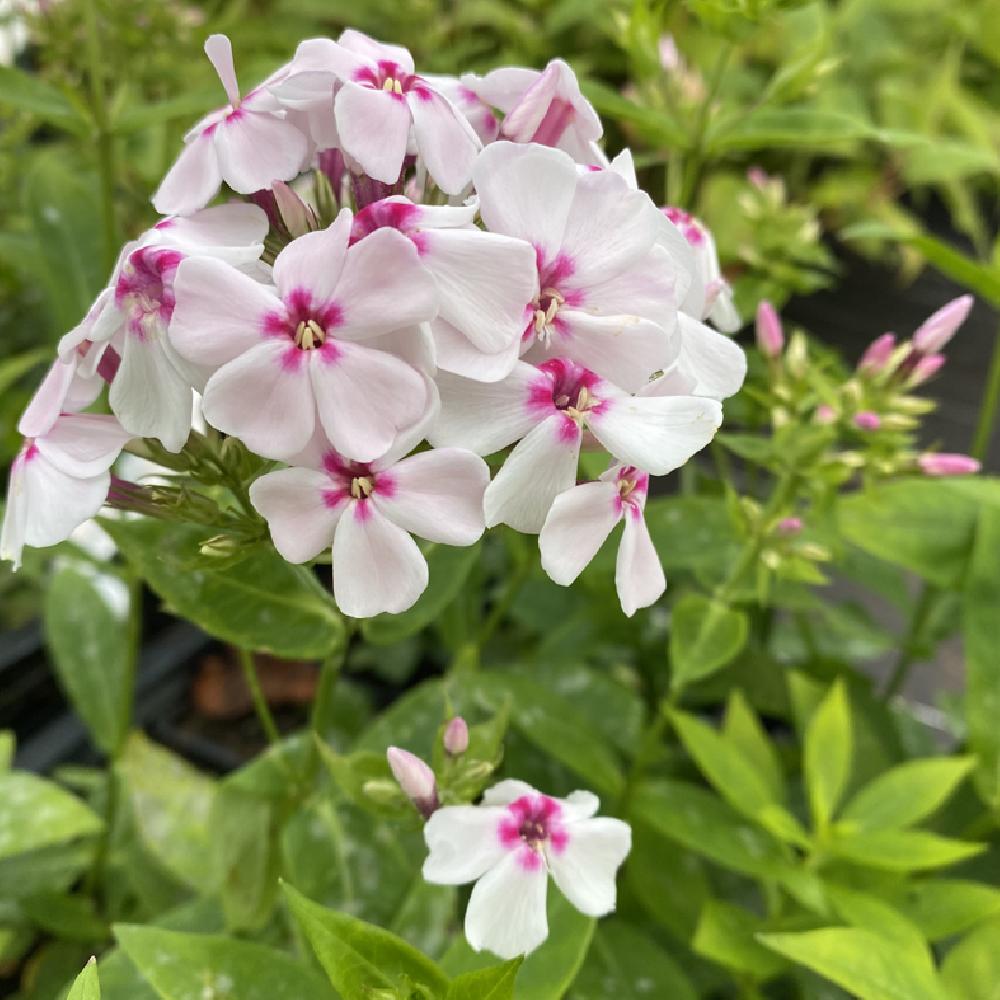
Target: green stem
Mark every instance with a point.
(988, 407)
(104, 139)
(695, 162)
(910, 644)
(323, 702)
(257, 695)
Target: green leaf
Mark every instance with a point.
(786, 128)
(870, 913)
(35, 813)
(626, 964)
(73, 918)
(981, 635)
(184, 966)
(12, 369)
(657, 127)
(692, 532)
(449, 568)
(902, 850)
(262, 603)
(743, 730)
(86, 986)
(29, 92)
(494, 983)
(941, 908)
(360, 957)
(8, 745)
(549, 970)
(827, 754)
(865, 964)
(705, 635)
(725, 934)
(971, 970)
(87, 612)
(925, 525)
(906, 794)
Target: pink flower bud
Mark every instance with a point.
(295, 213)
(415, 778)
(770, 338)
(947, 464)
(937, 330)
(670, 57)
(789, 526)
(877, 356)
(925, 368)
(867, 421)
(758, 178)
(825, 414)
(456, 736)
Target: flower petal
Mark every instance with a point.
(263, 397)
(374, 128)
(437, 495)
(61, 389)
(455, 353)
(58, 503)
(192, 181)
(638, 572)
(656, 433)
(219, 50)
(464, 843)
(653, 288)
(357, 42)
(234, 232)
(446, 142)
(576, 527)
(506, 913)
(255, 150)
(506, 791)
(314, 261)
(301, 508)
(377, 566)
(541, 466)
(83, 444)
(585, 868)
(716, 363)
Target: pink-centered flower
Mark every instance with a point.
(545, 107)
(367, 511)
(379, 99)
(249, 144)
(477, 112)
(509, 845)
(547, 409)
(580, 521)
(58, 480)
(308, 352)
(605, 294)
(483, 281)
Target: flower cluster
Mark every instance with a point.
(404, 274)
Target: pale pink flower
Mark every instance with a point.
(378, 101)
(938, 329)
(941, 463)
(580, 521)
(878, 354)
(58, 480)
(479, 114)
(547, 409)
(866, 420)
(308, 352)
(415, 778)
(483, 281)
(605, 296)
(770, 338)
(249, 144)
(825, 414)
(789, 526)
(544, 107)
(509, 845)
(366, 511)
(456, 736)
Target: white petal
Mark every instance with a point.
(576, 527)
(15, 519)
(653, 288)
(357, 43)
(234, 232)
(264, 398)
(580, 805)
(255, 150)
(83, 444)
(445, 140)
(638, 572)
(455, 354)
(541, 466)
(219, 311)
(506, 791)
(585, 868)
(464, 843)
(374, 128)
(219, 50)
(504, 87)
(723, 312)
(506, 913)
(61, 389)
(485, 416)
(301, 508)
(365, 398)
(377, 566)
(192, 181)
(437, 495)
(716, 363)
(526, 192)
(413, 344)
(56, 503)
(314, 261)
(657, 433)
(484, 281)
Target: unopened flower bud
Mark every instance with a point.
(415, 778)
(295, 213)
(456, 736)
(670, 58)
(877, 356)
(797, 355)
(937, 330)
(770, 338)
(382, 791)
(947, 464)
(221, 546)
(926, 367)
(758, 178)
(866, 420)
(814, 552)
(899, 422)
(789, 526)
(825, 414)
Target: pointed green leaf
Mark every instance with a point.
(494, 983)
(705, 635)
(827, 754)
(971, 970)
(942, 907)
(902, 850)
(726, 934)
(86, 986)
(35, 813)
(743, 730)
(29, 92)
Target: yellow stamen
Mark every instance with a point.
(362, 487)
(309, 334)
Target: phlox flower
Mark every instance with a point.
(367, 511)
(477, 112)
(509, 845)
(378, 99)
(605, 296)
(580, 521)
(306, 352)
(248, 144)
(547, 409)
(58, 480)
(483, 281)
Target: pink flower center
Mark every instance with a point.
(393, 79)
(144, 291)
(543, 310)
(305, 323)
(355, 481)
(568, 388)
(530, 824)
(633, 485)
